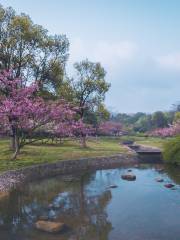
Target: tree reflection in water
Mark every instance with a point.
(80, 204)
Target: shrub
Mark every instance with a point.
(172, 150)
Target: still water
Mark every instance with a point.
(140, 210)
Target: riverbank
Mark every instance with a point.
(42, 161)
(14, 178)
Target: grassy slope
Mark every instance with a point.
(38, 153)
(149, 141)
(154, 142)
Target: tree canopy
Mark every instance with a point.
(89, 85)
(32, 53)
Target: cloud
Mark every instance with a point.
(112, 55)
(169, 62)
(139, 81)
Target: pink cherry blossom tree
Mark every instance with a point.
(110, 128)
(82, 130)
(170, 131)
(22, 111)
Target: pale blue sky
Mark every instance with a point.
(137, 41)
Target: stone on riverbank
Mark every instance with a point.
(159, 180)
(128, 177)
(113, 186)
(50, 227)
(160, 170)
(169, 185)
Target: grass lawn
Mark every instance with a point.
(148, 141)
(153, 142)
(46, 153)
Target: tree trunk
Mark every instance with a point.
(16, 146)
(12, 143)
(12, 138)
(15, 153)
(83, 141)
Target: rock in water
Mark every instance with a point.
(169, 185)
(160, 170)
(113, 186)
(50, 227)
(159, 180)
(128, 177)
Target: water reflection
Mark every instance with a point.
(91, 210)
(75, 203)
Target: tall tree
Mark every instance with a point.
(159, 120)
(90, 85)
(88, 90)
(31, 52)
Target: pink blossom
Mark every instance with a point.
(170, 131)
(110, 128)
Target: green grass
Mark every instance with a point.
(148, 141)
(51, 152)
(45, 153)
(153, 142)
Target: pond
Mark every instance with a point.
(135, 210)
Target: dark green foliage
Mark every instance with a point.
(159, 120)
(143, 122)
(171, 152)
(127, 119)
(96, 115)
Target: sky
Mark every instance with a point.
(136, 41)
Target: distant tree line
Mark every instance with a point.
(143, 122)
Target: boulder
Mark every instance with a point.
(159, 180)
(128, 142)
(134, 147)
(160, 170)
(48, 226)
(128, 177)
(169, 185)
(113, 186)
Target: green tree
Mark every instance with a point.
(177, 117)
(31, 52)
(159, 120)
(96, 115)
(169, 116)
(90, 85)
(143, 124)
